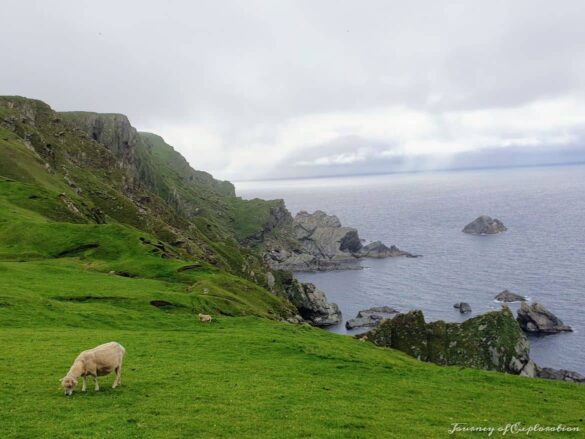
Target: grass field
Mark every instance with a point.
(236, 377)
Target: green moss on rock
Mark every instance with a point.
(491, 341)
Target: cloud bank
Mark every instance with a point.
(262, 89)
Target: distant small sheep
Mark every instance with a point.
(364, 338)
(204, 317)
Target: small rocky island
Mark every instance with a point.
(509, 297)
(485, 225)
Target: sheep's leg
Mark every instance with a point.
(84, 387)
(116, 379)
(97, 386)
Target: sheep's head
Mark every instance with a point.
(68, 384)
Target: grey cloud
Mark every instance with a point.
(243, 69)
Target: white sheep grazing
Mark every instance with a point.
(95, 362)
(204, 318)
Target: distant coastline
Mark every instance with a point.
(414, 172)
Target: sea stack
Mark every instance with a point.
(485, 225)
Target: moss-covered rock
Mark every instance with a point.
(491, 341)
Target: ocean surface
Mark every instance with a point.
(542, 255)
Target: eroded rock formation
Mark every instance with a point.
(491, 341)
(319, 242)
(537, 319)
(310, 301)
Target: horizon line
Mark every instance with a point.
(422, 171)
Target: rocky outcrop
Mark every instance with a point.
(539, 320)
(377, 249)
(322, 235)
(491, 341)
(371, 317)
(463, 307)
(319, 242)
(508, 297)
(561, 375)
(112, 130)
(485, 225)
(310, 301)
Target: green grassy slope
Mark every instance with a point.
(66, 253)
(73, 178)
(173, 167)
(198, 194)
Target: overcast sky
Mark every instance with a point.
(255, 89)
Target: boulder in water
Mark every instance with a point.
(508, 296)
(539, 320)
(485, 225)
(463, 307)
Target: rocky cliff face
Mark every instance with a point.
(111, 130)
(319, 242)
(492, 341)
(311, 302)
(151, 161)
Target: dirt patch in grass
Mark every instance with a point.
(188, 267)
(77, 250)
(123, 274)
(84, 299)
(163, 304)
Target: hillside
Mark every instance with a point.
(108, 234)
(107, 173)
